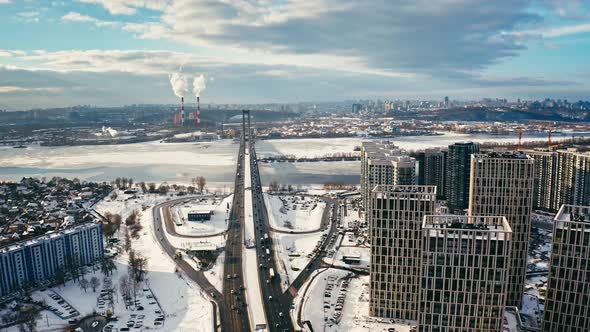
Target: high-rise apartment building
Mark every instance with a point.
(432, 169)
(567, 303)
(395, 220)
(465, 269)
(545, 178)
(457, 174)
(38, 259)
(501, 184)
(573, 178)
(383, 163)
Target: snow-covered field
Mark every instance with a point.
(292, 251)
(185, 306)
(218, 223)
(215, 274)
(294, 212)
(321, 302)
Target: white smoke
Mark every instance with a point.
(199, 85)
(179, 84)
(107, 131)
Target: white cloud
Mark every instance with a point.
(29, 16)
(128, 7)
(566, 30)
(12, 89)
(77, 17)
(4, 2)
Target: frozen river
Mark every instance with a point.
(179, 162)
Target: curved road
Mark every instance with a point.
(323, 225)
(170, 229)
(196, 276)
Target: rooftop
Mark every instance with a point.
(572, 214)
(405, 189)
(496, 226)
(502, 155)
(46, 236)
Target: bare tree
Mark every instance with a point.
(83, 284)
(94, 283)
(125, 288)
(137, 265)
(28, 316)
(201, 182)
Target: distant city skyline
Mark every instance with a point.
(117, 52)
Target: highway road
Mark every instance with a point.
(276, 303)
(233, 313)
(236, 311)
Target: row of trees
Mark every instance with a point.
(275, 186)
(123, 183)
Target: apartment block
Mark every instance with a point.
(383, 163)
(395, 220)
(457, 174)
(501, 184)
(464, 274)
(432, 169)
(33, 261)
(567, 303)
(545, 183)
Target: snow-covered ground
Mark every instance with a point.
(321, 302)
(215, 274)
(363, 252)
(218, 223)
(185, 306)
(294, 212)
(293, 252)
(352, 217)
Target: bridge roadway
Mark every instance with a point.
(276, 303)
(236, 310)
(232, 310)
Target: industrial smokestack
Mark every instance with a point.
(182, 114)
(199, 85)
(198, 109)
(179, 85)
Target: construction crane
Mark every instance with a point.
(549, 137)
(520, 132)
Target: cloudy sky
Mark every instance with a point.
(114, 52)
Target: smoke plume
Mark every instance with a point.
(179, 84)
(199, 85)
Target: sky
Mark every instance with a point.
(118, 52)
